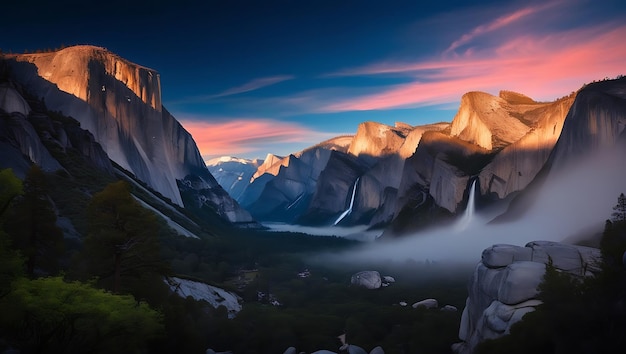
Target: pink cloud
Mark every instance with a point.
(544, 67)
(496, 24)
(243, 135)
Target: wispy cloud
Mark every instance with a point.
(239, 136)
(543, 66)
(254, 85)
(498, 23)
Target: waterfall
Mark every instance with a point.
(469, 209)
(471, 202)
(349, 210)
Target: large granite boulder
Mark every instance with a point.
(503, 287)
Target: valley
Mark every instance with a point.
(107, 199)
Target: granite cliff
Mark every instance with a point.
(119, 102)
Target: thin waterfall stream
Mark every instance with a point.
(349, 210)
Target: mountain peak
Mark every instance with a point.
(223, 159)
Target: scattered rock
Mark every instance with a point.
(369, 279)
(427, 303)
(449, 308)
(389, 279)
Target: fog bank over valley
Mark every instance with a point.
(573, 202)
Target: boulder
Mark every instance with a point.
(369, 279)
(290, 350)
(389, 279)
(427, 303)
(449, 308)
(503, 287)
(377, 350)
(355, 349)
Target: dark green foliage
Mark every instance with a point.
(122, 244)
(31, 224)
(10, 188)
(49, 315)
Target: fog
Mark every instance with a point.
(574, 200)
(359, 232)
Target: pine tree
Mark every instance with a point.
(122, 242)
(32, 225)
(619, 214)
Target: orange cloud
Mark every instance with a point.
(241, 136)
(543, 67)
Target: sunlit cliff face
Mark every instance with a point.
(66, 68)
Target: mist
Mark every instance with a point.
(574, 200)
(358, 232)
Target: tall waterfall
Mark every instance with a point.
(349, 210)
(469, 210)
(471, 202)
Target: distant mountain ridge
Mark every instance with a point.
(405, 174)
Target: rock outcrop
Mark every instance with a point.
(215, 296)
(27, 135)
(503, 287)
(119, 102)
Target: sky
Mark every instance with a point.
(247, 78)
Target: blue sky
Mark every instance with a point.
(251, 77)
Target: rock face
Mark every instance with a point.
(504, 141)
(11, 101)
(513, 168)
(24, 135)
(119, 102)
(503, 287)
(489, 121)
(594, 125)
(595, 121)
(375, 157)
(282, 191)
